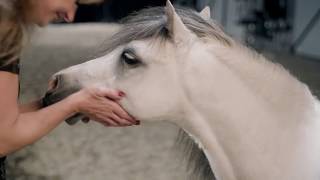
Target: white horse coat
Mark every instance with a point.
(252, 118)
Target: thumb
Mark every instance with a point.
(111, 93)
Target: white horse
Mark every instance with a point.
(252, 119)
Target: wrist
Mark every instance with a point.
(72, 104)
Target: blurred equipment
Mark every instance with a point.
(267, 22)
(312, 24)
(281, 25)
(114, 10)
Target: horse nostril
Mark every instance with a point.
(55, 83)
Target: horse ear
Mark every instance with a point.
(175, 26)
(206, 13)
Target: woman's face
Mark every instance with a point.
(45, 11)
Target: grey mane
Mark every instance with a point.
(197, 163)
(152, 23)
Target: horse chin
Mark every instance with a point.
(74, 119)
(54, 97)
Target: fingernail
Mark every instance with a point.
(122, 94)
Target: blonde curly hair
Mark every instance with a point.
(11, 31)
(13, 27)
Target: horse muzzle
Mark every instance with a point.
(59, 90)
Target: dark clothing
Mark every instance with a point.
(2, 169)
(15, 69)
(12, 67)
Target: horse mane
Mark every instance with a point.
(197, 163)
(152, 23)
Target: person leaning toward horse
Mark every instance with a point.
(21, 125)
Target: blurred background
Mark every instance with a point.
(286, 31)
(290, 25)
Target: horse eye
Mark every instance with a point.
(129, 59)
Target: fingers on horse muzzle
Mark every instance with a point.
(59, 90)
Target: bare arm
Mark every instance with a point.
(30, 107)
(21, 129)
(18, 130)
(30, 127)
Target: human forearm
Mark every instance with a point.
(30, 107)
(30, 127)
(99, 104)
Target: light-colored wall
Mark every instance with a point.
(304, 11)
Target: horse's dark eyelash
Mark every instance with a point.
(126, 54)
(126, 61)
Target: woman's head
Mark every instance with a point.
(42, 12)
(18, 15)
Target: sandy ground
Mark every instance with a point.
(93, 152)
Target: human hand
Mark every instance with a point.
(100, 104)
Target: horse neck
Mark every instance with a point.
(252, 118)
